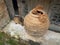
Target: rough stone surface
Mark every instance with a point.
(16, 30)
(4, 16)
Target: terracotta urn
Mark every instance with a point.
(36, 22)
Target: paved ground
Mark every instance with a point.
(15, 30)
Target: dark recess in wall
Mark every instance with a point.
(15, 6)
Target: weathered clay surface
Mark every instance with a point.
(36, 22)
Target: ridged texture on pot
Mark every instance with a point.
(36, 22)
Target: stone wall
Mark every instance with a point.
(4, 16)
(10, 8)
(26, 5)
(55, 12)
(52, 7)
